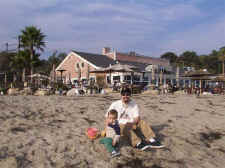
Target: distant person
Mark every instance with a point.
(131, 124)
(112, 131)
(174, 88)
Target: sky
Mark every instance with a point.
(148, 27)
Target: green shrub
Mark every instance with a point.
(4, 90)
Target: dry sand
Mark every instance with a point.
(49, 132)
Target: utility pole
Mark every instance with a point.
(7, 47)
(19, 43)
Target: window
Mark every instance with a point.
(116, 78)
(108, 79)
(78, 66)
(82, 64)
(137, 78)
(127, 78)
(75, 81)
(92, 79)
(145, 78)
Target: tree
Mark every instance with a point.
(5, 59)
(190, 58)
(221, 57)
(56, 58)
(21, 61)
(202, 61)
(172, 57)
(211, 62)
(61, 56)
(32, 39)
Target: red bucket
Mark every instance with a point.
(92, 133)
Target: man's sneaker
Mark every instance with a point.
(156, 144)
(115, 153)
(142, 146)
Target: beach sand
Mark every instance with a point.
(49, 132)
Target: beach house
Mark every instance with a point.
(78, 65)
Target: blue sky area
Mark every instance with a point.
(148, 27)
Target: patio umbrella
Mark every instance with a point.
(198, 73)
(53, 72)
(121, 68)
(88, 73)
(116, 68)
(24, 75)
(178, 76)
(79, 74)
(219, 79)
(40, 76)
(153, 74)
(161, 77)
(61, 72)
(69, 76)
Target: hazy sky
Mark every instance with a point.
(149, 27)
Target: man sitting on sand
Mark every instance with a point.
(130, 123)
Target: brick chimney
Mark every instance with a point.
(106, 50)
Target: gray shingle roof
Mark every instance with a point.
(96, 59)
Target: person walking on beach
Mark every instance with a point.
(112, 131)
(131, 124)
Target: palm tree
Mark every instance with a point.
(221, 55)
(32, 39)
(21, 61)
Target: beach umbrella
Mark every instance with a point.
(198, 73)
(70, 78)
(178, 76)
(121, 68)
(88, 73)
(38, 75)
(79, 74)
(5, 79)
(161, 77)
(53, 71)
(14, 77)
(24, 75)
(153, 74)
(219, 79)
(116, 68)
(61, 72)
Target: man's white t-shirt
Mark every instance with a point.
(126, 113)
